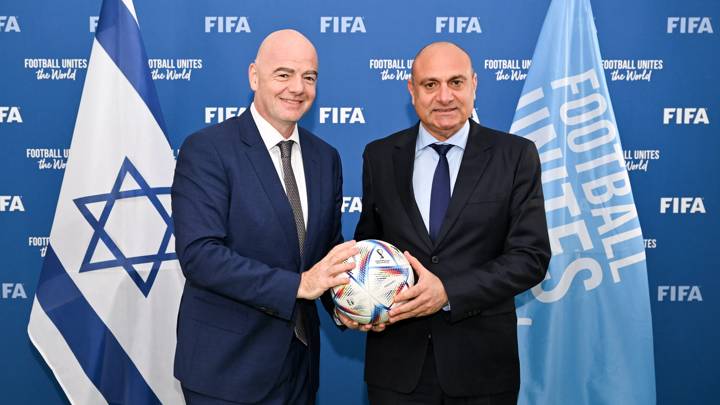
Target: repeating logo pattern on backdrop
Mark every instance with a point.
(661, 89)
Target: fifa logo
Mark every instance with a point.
(679, 293)
(13, 291)
(342, 25)
(682, 205)
(457, 25)
(686, 115)
(220, 114)
(93, 22)
(351, 204)
(230, 23)
(11, 203)
(689, 25)
(10, 114)
(341, 115)
(9, 23)
(379, 258)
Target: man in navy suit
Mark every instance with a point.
(256, 207)
(467, 202)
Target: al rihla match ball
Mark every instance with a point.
(381, 272)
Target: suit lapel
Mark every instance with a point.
(403, 163)
(474, 162)
(260, 159)
(313, 184)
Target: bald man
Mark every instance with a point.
(256, 207)
(465, 203)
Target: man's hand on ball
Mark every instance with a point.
(426, 297)
(328, 272)
(351, 324)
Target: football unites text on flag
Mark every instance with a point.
(585, 332)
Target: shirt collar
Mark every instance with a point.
(270, 136)
(458, 139)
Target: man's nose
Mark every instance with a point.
(296, 85)
(445, 95)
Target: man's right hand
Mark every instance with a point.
(328, 272)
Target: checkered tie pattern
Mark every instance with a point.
(291, 189)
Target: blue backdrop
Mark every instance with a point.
(660, 58)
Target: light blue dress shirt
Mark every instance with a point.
(426, 160)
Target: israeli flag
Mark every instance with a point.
(585, 333)
(106, 303)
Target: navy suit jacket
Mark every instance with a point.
(238, 248)
(492, 245)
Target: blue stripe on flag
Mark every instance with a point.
(96, 349)
(119, 35)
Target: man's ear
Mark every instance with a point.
(411, 90)
(474, 82)
(253, 76)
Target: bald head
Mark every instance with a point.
(284, 42)
(442, 88)
(284, 76)
(441, 49)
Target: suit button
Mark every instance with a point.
(435, 259)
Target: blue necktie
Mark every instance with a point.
(440, 194)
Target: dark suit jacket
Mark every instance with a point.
(493, 244)
(238, 248)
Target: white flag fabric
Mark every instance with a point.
(106, 304)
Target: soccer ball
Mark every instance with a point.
(381, 272)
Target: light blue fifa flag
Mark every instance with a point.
(585, 332)
(106, 303)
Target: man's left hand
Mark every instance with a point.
(426, 297)
(351, 324)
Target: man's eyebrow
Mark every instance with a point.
(434, 79)
(428, 79)
(291, 71)
(457, 77)
(284, 70)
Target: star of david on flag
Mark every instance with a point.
(105, 310)
(101, 235)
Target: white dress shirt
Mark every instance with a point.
(271, 137)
